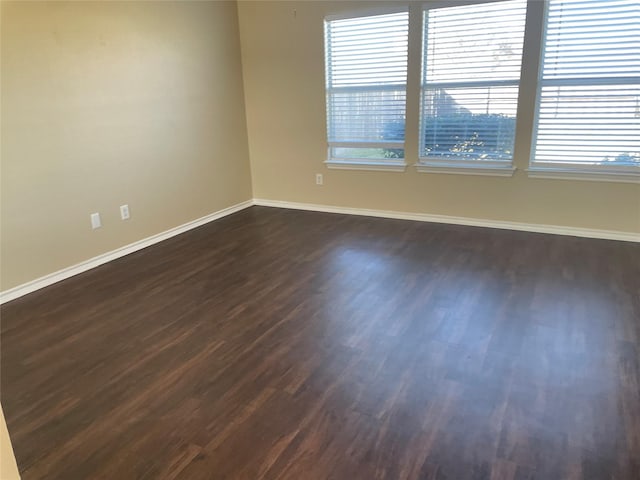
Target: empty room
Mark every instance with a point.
(313, 240)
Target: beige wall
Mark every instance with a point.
(107, 103)
(282, 56)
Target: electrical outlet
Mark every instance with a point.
(124, 212)
(319, 180)
(95, 221)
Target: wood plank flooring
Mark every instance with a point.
(278, 344)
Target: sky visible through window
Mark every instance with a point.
(476, 43)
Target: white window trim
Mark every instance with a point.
(495, 169)
(367, 164)
(571, 171)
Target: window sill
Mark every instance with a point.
(587, 175)
(484, 170)
(375, 166)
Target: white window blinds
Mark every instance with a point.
(588, 115)
(470, 76)
(366, 75)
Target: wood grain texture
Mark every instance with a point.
(279, 344)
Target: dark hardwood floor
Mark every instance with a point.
(280, 344)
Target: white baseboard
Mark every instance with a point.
(475, 222)
(55, 277)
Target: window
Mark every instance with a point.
(588, 101)
(366, 76)
(470, 76)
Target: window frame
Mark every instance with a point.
(526, 126)
(434, 164)
(355, 163)
(571, 171)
